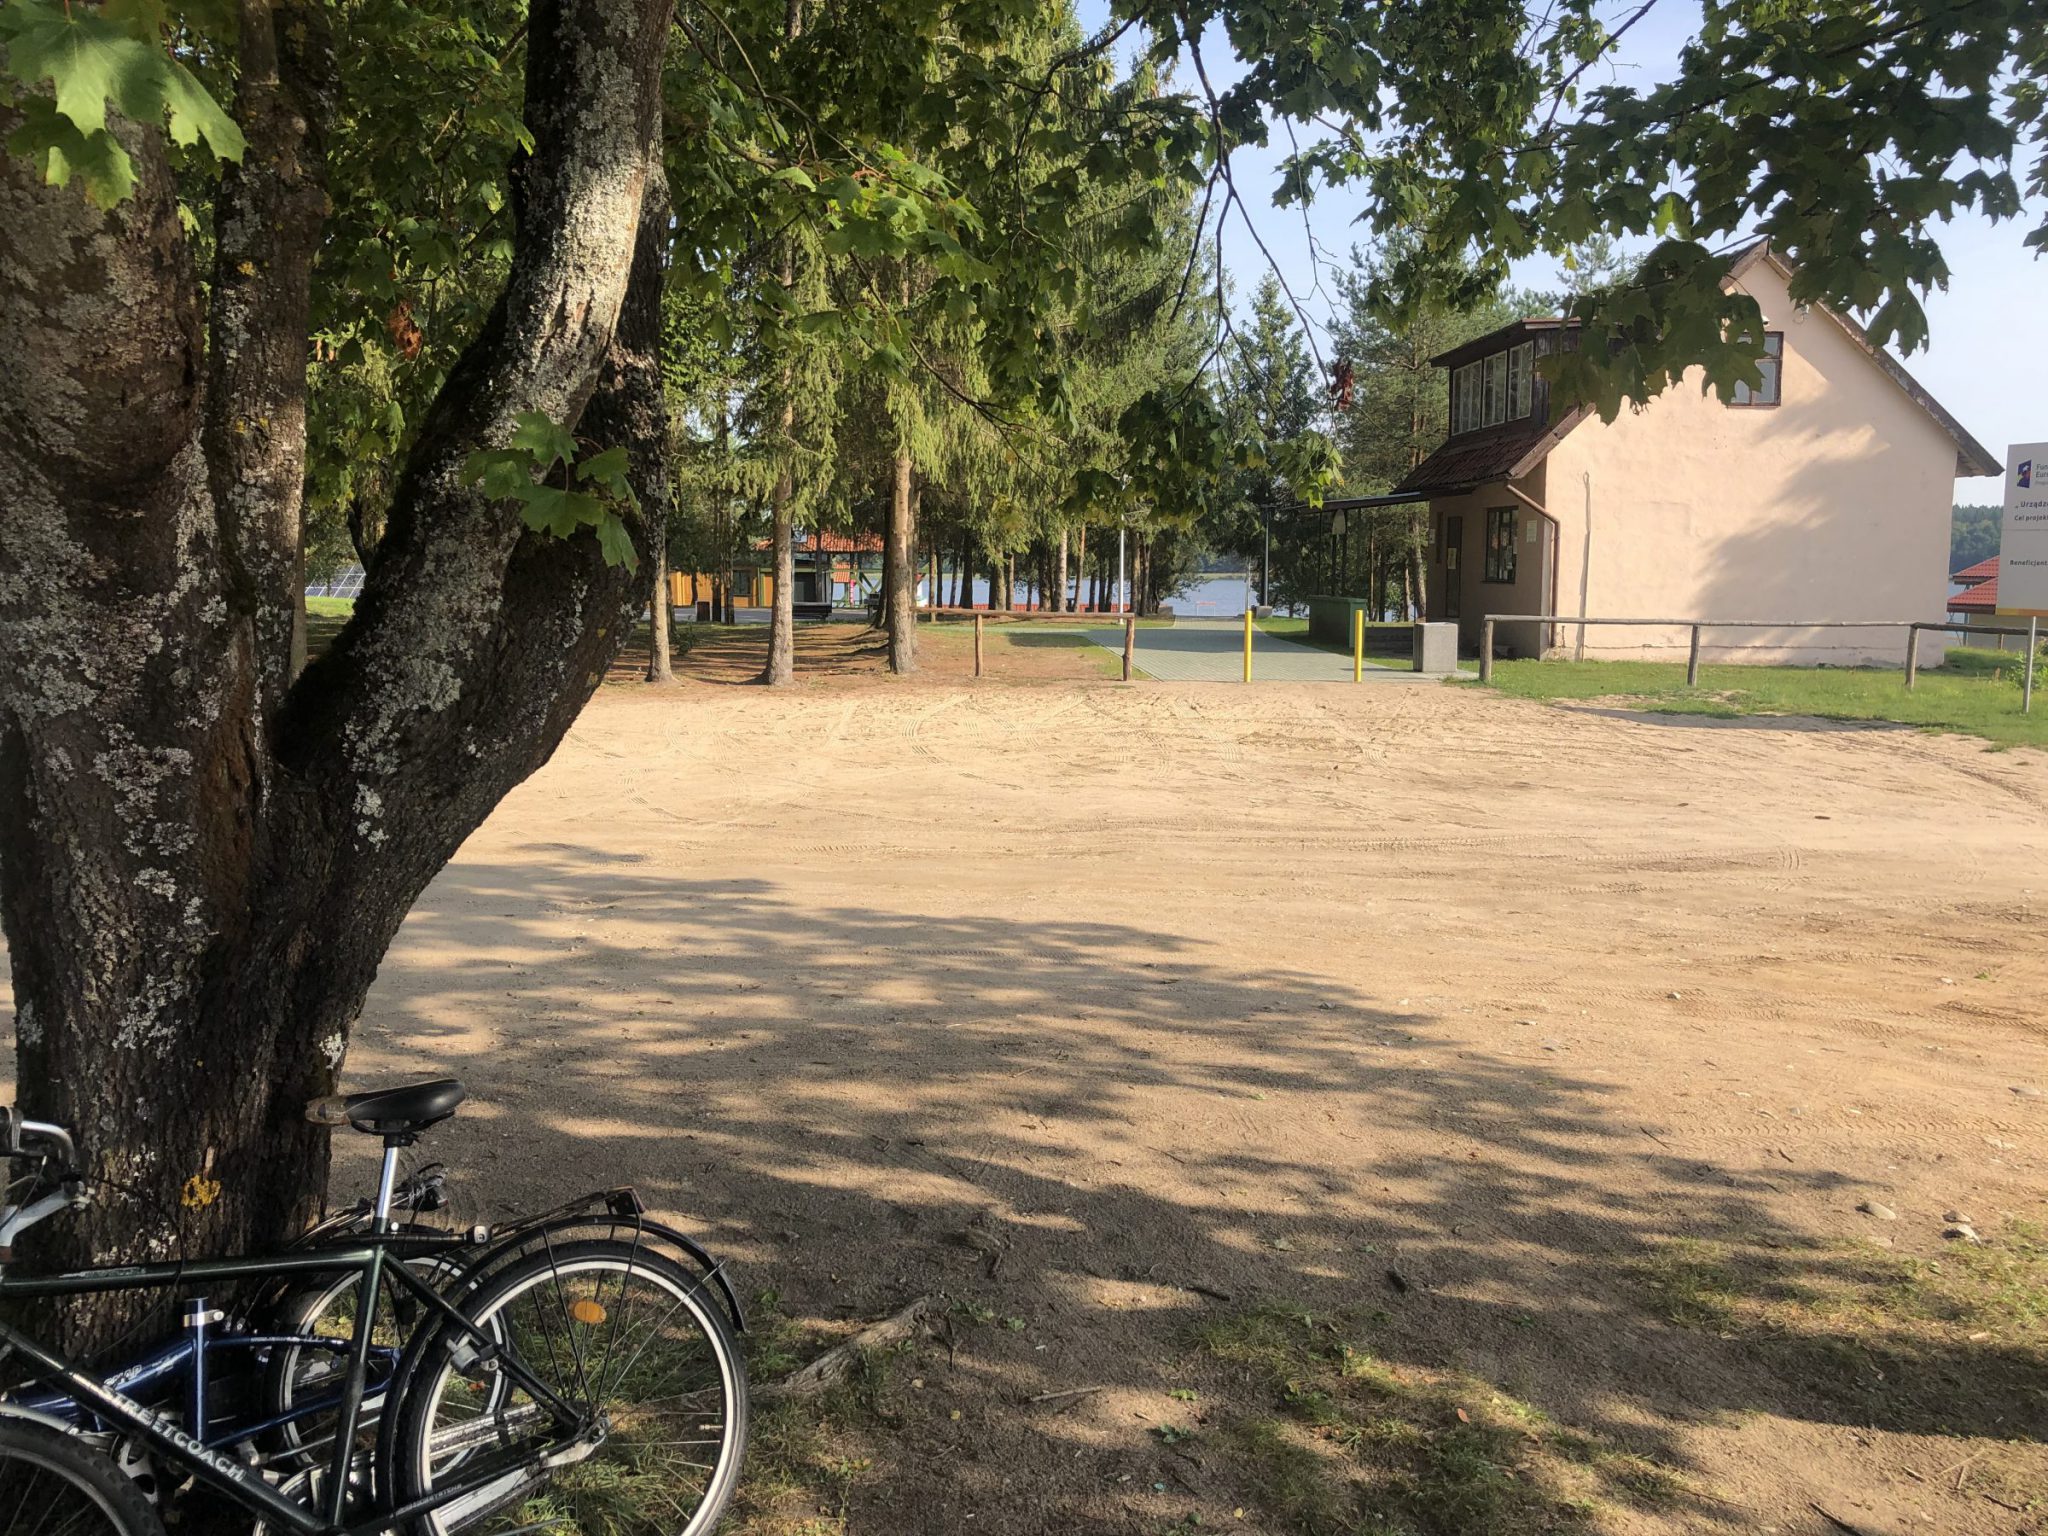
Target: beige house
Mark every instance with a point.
(1823, 494)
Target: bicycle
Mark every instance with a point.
(572, 1374)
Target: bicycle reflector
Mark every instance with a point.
(586, 1312)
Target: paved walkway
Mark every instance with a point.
(1212, 651)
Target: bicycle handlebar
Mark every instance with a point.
(37, 1138)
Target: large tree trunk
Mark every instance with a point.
(203, 861)
(899, 569)
(266, 226)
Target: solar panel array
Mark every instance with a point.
(346, 582)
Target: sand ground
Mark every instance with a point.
(1193, 992)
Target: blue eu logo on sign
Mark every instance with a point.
(2026, 474)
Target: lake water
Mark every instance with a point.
(1211, 596)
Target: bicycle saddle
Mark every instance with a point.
(403, 1111)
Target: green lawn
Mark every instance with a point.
(324, 618)
(1976, 692)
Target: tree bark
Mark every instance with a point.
(780, 670)
(1418, 541)
(659, 666)
(202, 861)
(267, 222)
(899, 571)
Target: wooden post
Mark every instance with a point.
(1692, 660)
(1358, 645)
(1130, 644)
(977, 645)
(1912, 656)
(1247, 645)
(2033, 646)
(1486, 649)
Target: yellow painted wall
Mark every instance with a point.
(687, 589)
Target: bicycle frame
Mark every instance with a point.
(148, 1377)
(185, 1446)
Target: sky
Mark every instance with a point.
(1988, 331)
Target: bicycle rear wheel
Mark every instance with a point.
(52, 1482)
(637, 1353)
(300, 1378)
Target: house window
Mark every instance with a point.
(1500, 545)
(1521, 388)
(1496, 389)
(1772, 366)
(1465, 398)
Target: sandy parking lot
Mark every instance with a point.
(1200, 996)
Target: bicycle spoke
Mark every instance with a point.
(604, 1366)
(657, 1437)
(35, 1480)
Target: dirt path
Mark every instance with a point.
(1267, 992)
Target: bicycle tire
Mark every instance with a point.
(329, 1308)
(45, 1473)
(632, 1468)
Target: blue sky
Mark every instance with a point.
(1989, 329)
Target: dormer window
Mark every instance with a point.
(1497, 388)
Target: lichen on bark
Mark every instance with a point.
(202, 856)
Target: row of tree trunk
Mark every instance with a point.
(1057, 574)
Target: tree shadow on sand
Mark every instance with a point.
(835, 1096)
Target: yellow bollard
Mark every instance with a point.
(1247, 645)
(1358, 645)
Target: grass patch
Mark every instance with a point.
(1952, 1343)
(1023, 637)
(1296, 630)
(325, 617)
(1975, 692)
(805, 1458)
(1352, 1444)
(1999, 1286)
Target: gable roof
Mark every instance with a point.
(1972, 457)
(1468, 460)
(1983, 570)
(1981, 598)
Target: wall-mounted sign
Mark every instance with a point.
(2023, 537)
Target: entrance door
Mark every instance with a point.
(1454, 544)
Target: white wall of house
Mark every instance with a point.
(1834, 504)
